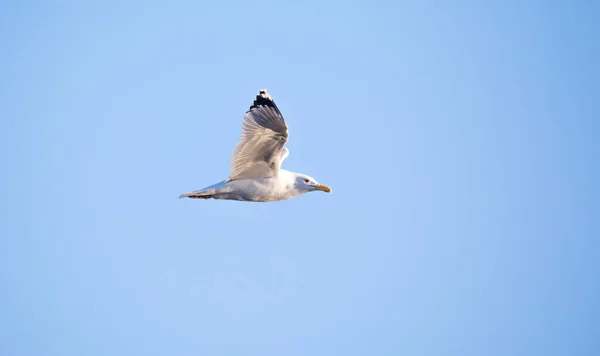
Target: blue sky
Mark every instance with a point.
(460, 141)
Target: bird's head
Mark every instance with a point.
(307, 184)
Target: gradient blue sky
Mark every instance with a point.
(460, 140)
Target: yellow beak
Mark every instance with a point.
(323, 188)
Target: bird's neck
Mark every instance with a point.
(288, 179)
(287, 176)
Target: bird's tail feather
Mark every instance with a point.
(197, 195)
(215, 191)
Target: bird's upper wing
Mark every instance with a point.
(258, 153)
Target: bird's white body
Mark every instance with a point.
(266, 189)
(256, 173)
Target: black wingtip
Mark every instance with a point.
(263, 99)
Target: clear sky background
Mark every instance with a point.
(460, 140)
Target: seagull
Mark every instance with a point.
(256, 173)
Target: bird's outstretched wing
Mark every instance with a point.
(258, 153)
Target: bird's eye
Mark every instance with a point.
(306, 180)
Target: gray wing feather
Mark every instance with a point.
(264, 133)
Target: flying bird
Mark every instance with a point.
(256, 173)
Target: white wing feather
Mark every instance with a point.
(260, 150)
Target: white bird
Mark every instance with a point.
(256, 173)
